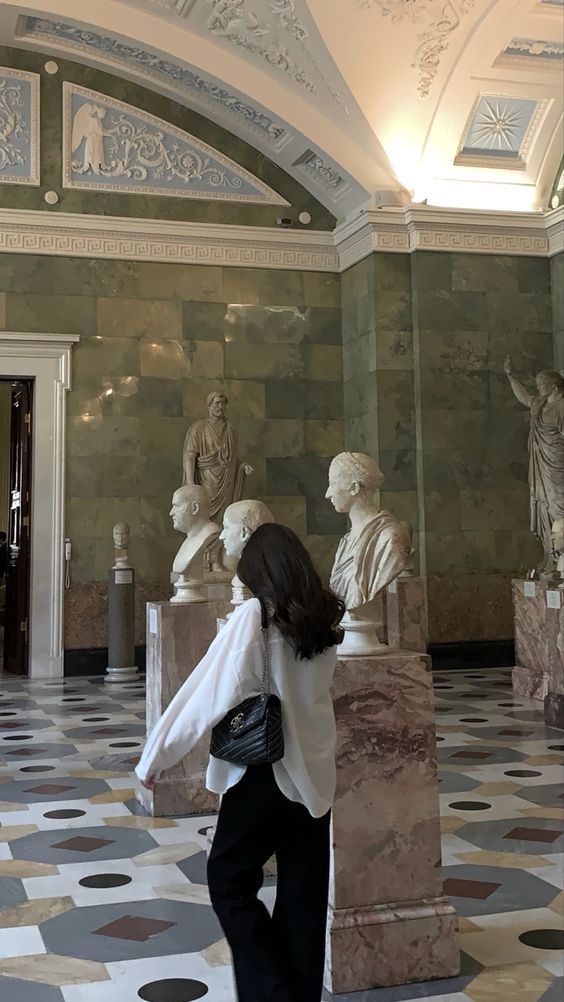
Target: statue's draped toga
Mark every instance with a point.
(217, 468)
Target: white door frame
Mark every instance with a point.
(45, 358)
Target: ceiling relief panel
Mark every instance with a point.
(201, 91)
(19, 127)
(324, 173)
(112, 146)
(500, 131)
(533, 53)
(273, 31)
(279, 33)
(435, 20)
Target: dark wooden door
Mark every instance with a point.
(16, 629)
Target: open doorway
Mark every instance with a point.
(16, 401)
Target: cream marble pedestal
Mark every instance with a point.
(177, 638)
(539, 639)
(389, 922)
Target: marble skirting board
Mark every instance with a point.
(538, 608)
(178, 636)
(389, 922)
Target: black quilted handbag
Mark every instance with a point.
(251, 733)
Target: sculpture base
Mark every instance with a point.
(177, 638)
(391, 944)
(388, 920)
(189, 592)
(121, 674)
(361, 638)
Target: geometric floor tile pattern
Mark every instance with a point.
(97, 901)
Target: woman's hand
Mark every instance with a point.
(148, 783)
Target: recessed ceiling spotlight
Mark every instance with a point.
(304, 218)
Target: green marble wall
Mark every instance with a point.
(155, 339)
(146, 206)
(424, 339)
(378, 365)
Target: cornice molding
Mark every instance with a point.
(395, 230)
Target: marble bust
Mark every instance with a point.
(121, 537)
(210, 459)
(239, 522)
(546, 455)
(557, 536)
(370, 556)
(190, 514)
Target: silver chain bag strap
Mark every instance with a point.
(251, 733)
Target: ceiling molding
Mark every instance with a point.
(401, 230)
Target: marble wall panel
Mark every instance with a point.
(424, 339)
(156, 339)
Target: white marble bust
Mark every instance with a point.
(239, 522)
(121, 535)
(190, 514)
(371, 555)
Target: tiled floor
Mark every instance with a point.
(102, 904)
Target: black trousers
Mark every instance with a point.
(278, 959)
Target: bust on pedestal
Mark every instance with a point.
(371, 555)
(121, 611)
(239, 522)
(190, 513)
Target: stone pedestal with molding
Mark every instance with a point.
(389, 922)
(538, 621)
(178, 636)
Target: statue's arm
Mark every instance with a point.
(519, 389)
(190, 467)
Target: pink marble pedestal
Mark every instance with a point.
(539, 636)
(406, 614)
(389, 922)
(177, 638)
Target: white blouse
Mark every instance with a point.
(229, 672)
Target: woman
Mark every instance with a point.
(282, 808)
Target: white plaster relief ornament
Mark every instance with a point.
(110, 145)
(371, 555)
(190, 514)
(438, 19)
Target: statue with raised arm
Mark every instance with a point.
(546, 455)
(210, 460)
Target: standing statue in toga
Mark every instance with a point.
(210, 459)
(546, 455)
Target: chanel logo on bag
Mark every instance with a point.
(237, 721)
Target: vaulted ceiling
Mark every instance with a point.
(365, 102)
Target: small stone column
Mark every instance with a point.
(178, 636)
(389, 922)
(121, 625)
